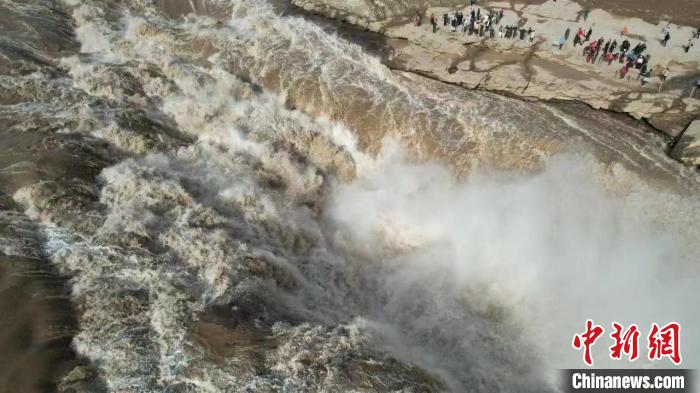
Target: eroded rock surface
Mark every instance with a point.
(688, 147)
(535, 68)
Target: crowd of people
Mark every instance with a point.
(481, 24)
(487, 23)
(602, 50)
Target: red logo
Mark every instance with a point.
(627, 343)
(662, 342)
(586, 340)
(665, 341)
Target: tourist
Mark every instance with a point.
(588, 34)
(577, 40)
(418, 20)
(664, 75)
(588, 51)
(562, 40)
(613, 46)
(646, 77)
(625, 45)
(687, 46)
(635, 50)
(625, 31)
(566, 34)
(642, 71)
(610, 57)
(531, 33)
(666, 30)
(695, 86)
(623, 71)
(667, 37)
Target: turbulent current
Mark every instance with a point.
(229, 196)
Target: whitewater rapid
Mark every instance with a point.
(248, 202)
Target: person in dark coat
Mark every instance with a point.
(625, 45)
(667, 37)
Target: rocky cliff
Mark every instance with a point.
(535, 68)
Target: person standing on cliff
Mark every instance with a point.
(577, 40)
(566, 34)
(642, 71)
(666, 38)
(625, 45)
(588, 34)
(695, 87)
(562, 40)
(588, 52)
(433, 22)
(664, 75)
(623, 71)
(646, 77)
(687, 46)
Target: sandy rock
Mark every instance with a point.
(538, 68)
(687, 149)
